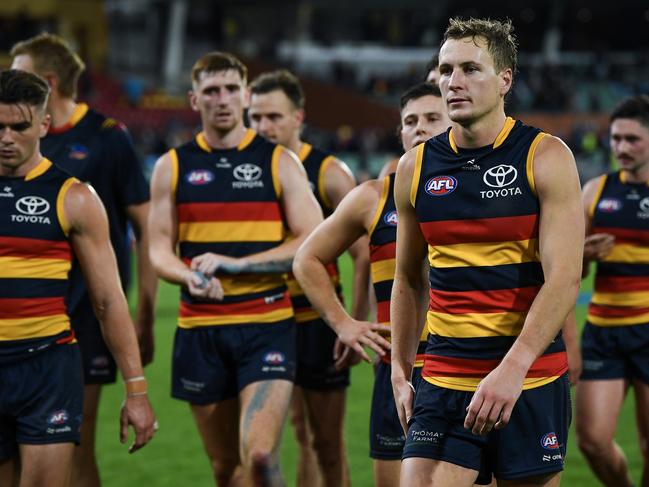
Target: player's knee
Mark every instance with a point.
(329, 449)
(593, 446)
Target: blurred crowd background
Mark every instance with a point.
(577, 59)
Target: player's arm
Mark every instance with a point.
(90, 240)
(163, 236)
(147, 280)
(561, 245)
(330, 239)
(302, 214)
(338, 182)
(408, 290)
(597, 245)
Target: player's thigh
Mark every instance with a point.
(7, 467)
(424, 472)
(326, 410)
(218, 425)
(264, 406)
(48, 464)
(386, 473)
(598, 406)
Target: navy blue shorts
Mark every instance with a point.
(315, 362)
(215, 363)
(533, 443)
(386, 434)
(98, 364)
(41, 399)
(615, 352)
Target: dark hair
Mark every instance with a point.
(501, 42)
(431, 64)
(50, 53)
(418, 91)
(634, 107)
(218, 61)
(20, 87)
(280, 79)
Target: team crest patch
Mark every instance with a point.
(199, 178)
(78, 152)
(441, 185)
(609, 205)
(391, 218)
(550, 441)
(58, 417)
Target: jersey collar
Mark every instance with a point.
(500, 139)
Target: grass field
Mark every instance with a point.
(176, 457)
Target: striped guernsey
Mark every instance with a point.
(621, 294)
(228, 203)
(383, 238)
(315, 164)
(479, 213)
(35, 260)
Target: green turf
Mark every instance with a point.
(176, 456)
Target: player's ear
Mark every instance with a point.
(191, 95)
(300, 115)
(44, 124)
(246, 97)
(506, 79)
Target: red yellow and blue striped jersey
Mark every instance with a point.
(621, 295)
(315, 164)
(479, 213)
(383, 239)
(228, 203)
(35, 261)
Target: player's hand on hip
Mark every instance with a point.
(344, 357)
(137, 412)
(404, 394)
(201, 286)
(598, 245)
(493, 401)
(358, 334)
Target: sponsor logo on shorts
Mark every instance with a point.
(552, 458)
(441, 185)
(609, 205)
(391, 218)
(31, 209)
(390, 441)
(192, 385)
(200, 178)
(100, 361)
(247, 176)
(426, 436)
(593, 365)
(549, 441)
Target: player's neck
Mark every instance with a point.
(481, 132)
(295, 145)
(224, 140)
(638, 175)
(61, 110)
(23, 169)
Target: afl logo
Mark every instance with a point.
(550, 441)
(199, 178)
(609, 205)
(500, 176)
(391, 218)
(247, 172)
(274, 358)
(440, 185)
(32, 205)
